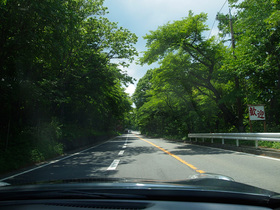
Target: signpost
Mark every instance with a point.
(256, 112)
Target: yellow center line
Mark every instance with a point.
(174, 156)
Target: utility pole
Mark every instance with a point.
(239, 100)
(231, 31)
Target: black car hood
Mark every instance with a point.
(203, 182)
(200, 189)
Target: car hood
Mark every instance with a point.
(202, 182)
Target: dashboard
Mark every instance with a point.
(71, 204)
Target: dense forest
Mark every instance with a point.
(61, 87)
(204, 83)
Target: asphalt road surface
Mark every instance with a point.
(136, 156)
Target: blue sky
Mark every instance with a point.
(142, 16)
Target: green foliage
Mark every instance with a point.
(203, 86)
(36, 156)
(268, 144)
(189, 87)
(58, 80)
(142, 90)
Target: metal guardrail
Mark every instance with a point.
(237, 136)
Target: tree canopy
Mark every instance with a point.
(58, 79)
(201, 85)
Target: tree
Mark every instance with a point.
(57, 73)
(142, 90)
(172, 107)
(202, 59)
(207, 82)
(256, 62)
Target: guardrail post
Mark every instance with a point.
(202, 139)
(195, 139)
(237, 142)
(212, 140)
(223, 141)
(256, 144)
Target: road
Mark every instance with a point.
(136, 156)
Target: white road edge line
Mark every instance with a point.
(113, 165)
(270, 158)
(52, 162)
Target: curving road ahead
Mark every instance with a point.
(136, 156)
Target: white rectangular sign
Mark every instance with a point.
(256, 112)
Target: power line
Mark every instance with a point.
(222, 6)
(215, 19)
(212, 28)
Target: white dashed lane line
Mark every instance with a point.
(116, 162)
(113, 165)
(121, 152)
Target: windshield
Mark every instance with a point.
(157, 90)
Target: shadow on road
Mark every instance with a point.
(94, 162)
(91, 163)
(189, 149)
(180, 148)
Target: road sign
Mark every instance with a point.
(256, 112)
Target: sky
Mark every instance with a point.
(142, 16)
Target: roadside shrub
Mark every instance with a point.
(36, 156)
(32, 145)
(269, 144)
